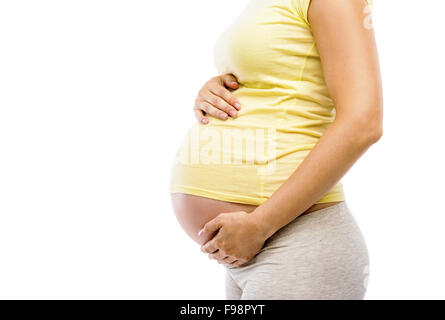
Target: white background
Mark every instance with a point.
(95, 97)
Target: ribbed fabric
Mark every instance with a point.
(286, 108)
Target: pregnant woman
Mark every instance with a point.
(257, 181)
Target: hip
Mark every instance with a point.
(321, 255)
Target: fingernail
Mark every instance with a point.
(204, 120)
(233, 113)
(237, 105)
(234, 83)
(200, 232)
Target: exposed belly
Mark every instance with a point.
(193, 212)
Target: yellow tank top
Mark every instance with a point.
(285, 109)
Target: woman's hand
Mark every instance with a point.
(238, 239)
(216, 100)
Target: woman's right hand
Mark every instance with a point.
(216, 100)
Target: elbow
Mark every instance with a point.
(376, 134)
(365, 136)
(374, 119)
(362, 118)
(365, 128)
(369, 132)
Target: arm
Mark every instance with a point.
(351, 69)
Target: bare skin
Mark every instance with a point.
(233, 233)
(193, 212)
(215, 99)
(352, 73)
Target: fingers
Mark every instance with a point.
(199, 114)
(209, 228)
(209, 109)
(222, 258)
(229, 260)
(227, 98)
(210, 247)
(236, 264)
(230, 80)
(218, 255)
(215, 99)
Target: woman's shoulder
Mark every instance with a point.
(301, 7)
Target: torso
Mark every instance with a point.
(286, 108)
(193, 212)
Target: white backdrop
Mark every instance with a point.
(95, 97)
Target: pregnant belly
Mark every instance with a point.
(193, 212)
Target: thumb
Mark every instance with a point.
(230, 81)
(210, 227)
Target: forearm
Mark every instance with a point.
(334, 154)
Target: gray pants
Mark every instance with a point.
(320, 255)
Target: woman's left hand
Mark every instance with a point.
(238, 239)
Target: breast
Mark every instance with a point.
(193, 212)
(267, 41)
